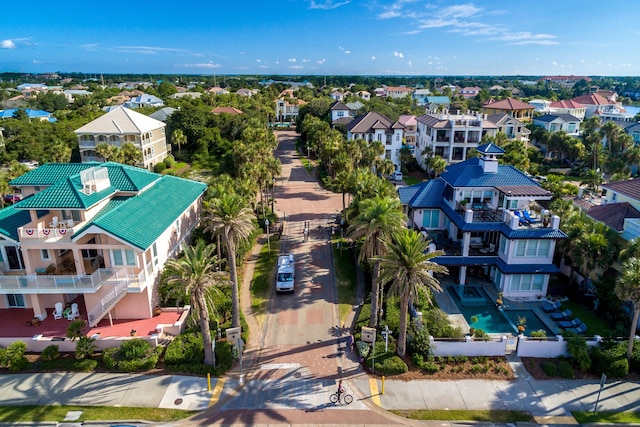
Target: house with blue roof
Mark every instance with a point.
(101, 232)
(31, 113)
(491, 221)
(144, 100)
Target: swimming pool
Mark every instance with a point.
(493, 321)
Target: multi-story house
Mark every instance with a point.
(120, 126)
(515, 108)
(343, 113)
(410, 130)
(397, 92)
(420, 96)
(98, 234)
(288, 106)
(470, 91)
(513, 128)
(377, 127)
(559, 122)
(565, 81)
(450, 136)
(144, 100)
(634, 131)
(597, 105)
(438, 102)
(568, 106)
(475, 212)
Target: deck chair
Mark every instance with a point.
(57, 313)
(528, 218)
(549, 307)
(580, 329)
(521, 218)
(568, 324)
(74, 312)
(561, 315)
(54, 222)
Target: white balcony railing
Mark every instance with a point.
(45, 234)
(81, 283)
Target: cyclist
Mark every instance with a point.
(340, 389)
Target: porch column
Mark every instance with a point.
(77, 260)
(39, 310)
(463, 275)
(466, 239)
(26, 261)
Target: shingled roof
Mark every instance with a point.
(613, 214)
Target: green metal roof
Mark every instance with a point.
(67, 192)
(140, 220)
(50, 173)
(11, 219)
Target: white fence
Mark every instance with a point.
(469, 347)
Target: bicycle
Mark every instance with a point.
(337, 397)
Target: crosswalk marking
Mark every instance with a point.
(375, 394)
(217, 391)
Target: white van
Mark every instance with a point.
(285, 277)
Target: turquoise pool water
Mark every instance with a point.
(494, 321)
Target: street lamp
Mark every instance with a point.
(266, 222)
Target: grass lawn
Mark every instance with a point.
(411, 180)
(595, 325)
(608, 417)
(263, 277)
(90, 413)
(345, 273)
(457, 415)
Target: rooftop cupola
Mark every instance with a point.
(489, 157)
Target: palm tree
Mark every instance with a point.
(407, 266)
(379, 219)
(628, 289)
(178, 137)
(230, 217)
(195, 274)
(130, 154)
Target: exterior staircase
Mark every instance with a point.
(107, 303)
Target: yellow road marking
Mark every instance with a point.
(217, 391)
(375, 394)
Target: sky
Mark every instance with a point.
(323, 37)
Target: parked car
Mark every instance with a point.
(397, 176)
(11, 198)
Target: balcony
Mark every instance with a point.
(45, 234)
(66, 284)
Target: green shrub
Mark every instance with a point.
(540, 333)
(159, 167)
(75, 329)
(132, 355)
(577, 347)
(478, 369)
(565, 370)
(610, 358)
(634, 365)
(50, 353)
(169, 162)
(184, 349)
(420, 342)
(363, 349)
(618, 369)
(224, 361)
(85, 365)
(438, 324)
(550, 368)
(479, 359)
(85, 348)
(389, 364)
(13, 357)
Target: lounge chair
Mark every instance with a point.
(561, 315)
(549, 307)
(580, 329)
(521, 218)
(568, 324)
(528, 218)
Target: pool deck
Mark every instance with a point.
(449, 306)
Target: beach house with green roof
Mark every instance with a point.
(97, 231)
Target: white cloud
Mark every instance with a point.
(296, 67)
(398, 54)
(554, 63)
(410, 63)
(326, 4)
(292, 59)
(258, 60)
(460, 11)
(373, 57)
(148, 50)
(321, 61)
(209, 64)
(347, 52)
(7, 44)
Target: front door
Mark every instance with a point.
(14, 258)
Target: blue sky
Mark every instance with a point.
(375, 37)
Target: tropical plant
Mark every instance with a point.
(407, 265)
(195, 273)
(628, 289)
(229, 216)
(379, 219)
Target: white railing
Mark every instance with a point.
(81, 283)
(107, 302)
(45, 234)
(632, 227)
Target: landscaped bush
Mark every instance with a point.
(565, 370)
(169, 162)
(577, 347)
(634, 365)
(389, 364)
(50, 353)
(159, 167)
(550, 368)
(610, 358)
(85, 365)
(13, 357)
(85, 348)
(186, 354)
(438, 324)
(132, 355)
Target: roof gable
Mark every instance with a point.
(121, 121)
(471, 174)
(629, 188)
(367, 122)
(508, 104)
(613, 214)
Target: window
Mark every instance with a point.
(155, 254)
(44, 254)
(502, 245)
(526, 282)
(15, 301)
(340, 113)
(533, 248)
(513, 204)
(123, 257)
(431, 218)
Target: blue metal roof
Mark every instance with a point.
(407, 193)
(450, 260)
(471, 174)
(490, 148)
(526, 268)
(430, 195)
